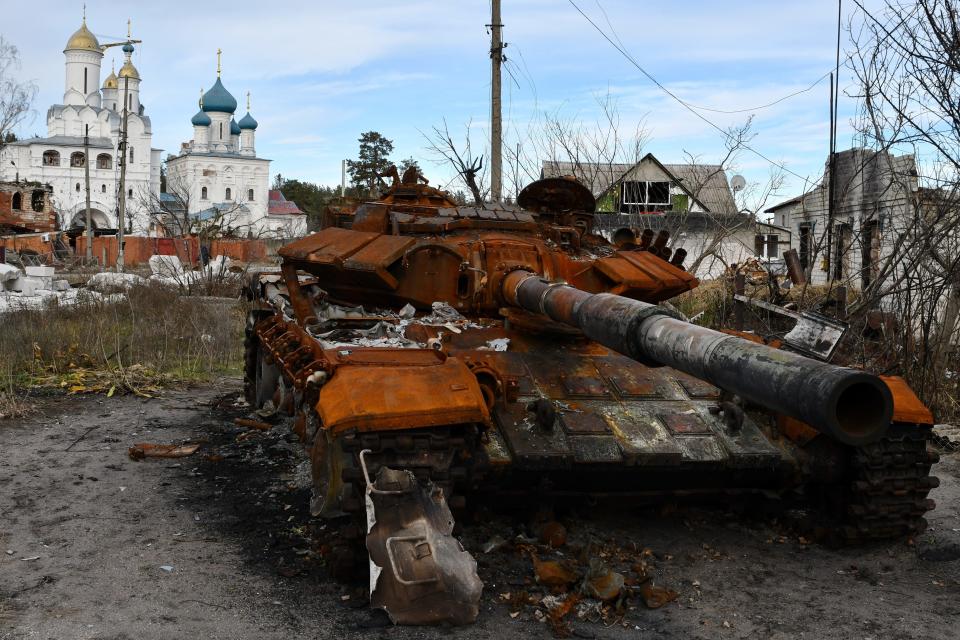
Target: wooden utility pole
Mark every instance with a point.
(122, 208)
(86, 179)
(496, 124)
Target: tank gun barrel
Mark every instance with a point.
(852, 406)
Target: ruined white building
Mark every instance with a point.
(58, 159)
(875, 201)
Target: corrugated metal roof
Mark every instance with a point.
(707, 183)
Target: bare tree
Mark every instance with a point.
(177, 214)
(16, 96)
(891, 237)
(470, 171)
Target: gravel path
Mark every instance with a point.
(220, 545)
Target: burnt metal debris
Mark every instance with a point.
(426, 352)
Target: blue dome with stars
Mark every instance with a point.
(219, 99)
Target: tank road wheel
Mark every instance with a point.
(260, 378)
(326, 464)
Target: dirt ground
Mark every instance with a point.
(221, 545)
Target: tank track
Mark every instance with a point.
(890, 480)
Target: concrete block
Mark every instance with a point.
(166, 266)
(27, 285)
(9, 272)
(40, 271)
(61, 285)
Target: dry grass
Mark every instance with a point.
(150, 338)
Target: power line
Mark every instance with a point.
(687, 106)
(769, 104)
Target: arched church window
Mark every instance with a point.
(17, 203)
(85, 90)
(104, 161)
(103, 188)
(250, 195)
(203, 193)
(129, 193)
(228, 194)
(114, 106)
(78, 187)
(77, 159)
(221, 131)
(131, 154)
(129, 101)
(37, 200)
(51, 158)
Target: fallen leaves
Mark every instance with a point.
(137, 379)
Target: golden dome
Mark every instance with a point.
(129, 71)
(84, 40)
(111, 81)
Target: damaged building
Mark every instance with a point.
(693, 202)
(875, 199)
(26, 207)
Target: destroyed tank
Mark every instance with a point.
(427, 352)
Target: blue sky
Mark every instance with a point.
(322, 73)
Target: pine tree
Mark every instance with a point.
(374, 159)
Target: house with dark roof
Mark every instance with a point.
(693, 202)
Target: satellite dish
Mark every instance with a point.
(738, 183)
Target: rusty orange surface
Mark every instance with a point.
(404, 397)
(907, 407)
(795, 430)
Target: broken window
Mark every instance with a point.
(37, 201)
(104, 161)
(250, 195)
(842, 251)
(870, 248)
(804, 246)
(766, 245)
(203, 193)
(51, 158)
(17, 203)
(77, 159)
(227, 194)
(636, 196)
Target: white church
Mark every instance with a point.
(218, 171)
(219, 174)
(58, 159)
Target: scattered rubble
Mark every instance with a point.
(147, 450)
(109, 281)
(947, 437)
